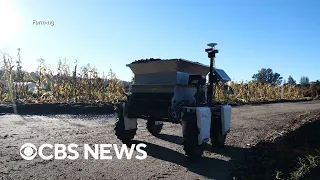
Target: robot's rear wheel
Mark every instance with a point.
(154, 128)
(124, 135)
(218, 140)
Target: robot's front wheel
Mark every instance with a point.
(190, 136)
(124, 135)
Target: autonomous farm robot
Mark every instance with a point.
(176, 91)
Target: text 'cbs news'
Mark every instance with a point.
(29, 151)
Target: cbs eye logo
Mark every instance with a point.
(28, 151)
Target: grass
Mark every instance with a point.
(304, 168)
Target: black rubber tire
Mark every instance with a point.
(218, 140)
(153, 128)
(124, 135)
(190, 136)
(216, 137)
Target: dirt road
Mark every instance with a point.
(165, 159)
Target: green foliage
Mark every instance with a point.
(316, 83)
(303, 167)
(267, 76)
(291, 81)
(304, 81)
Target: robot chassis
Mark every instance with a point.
(176, 91)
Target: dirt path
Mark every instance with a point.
(165, 160)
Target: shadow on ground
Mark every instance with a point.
(171, 138)
(57, 108)
(209, 167)
(229, 151)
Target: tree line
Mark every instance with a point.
(267, 76)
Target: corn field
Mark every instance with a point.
(66, 85)
(73, 84)
(257, 92)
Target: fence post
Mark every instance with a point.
(282, 92)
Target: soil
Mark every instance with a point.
(251, 124)
(281, 152)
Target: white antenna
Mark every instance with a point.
(212, 45)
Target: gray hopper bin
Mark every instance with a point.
(165, 66)
(172, 71)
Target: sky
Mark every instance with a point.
(283, 35)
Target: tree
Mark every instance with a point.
(317, 83)
(304, 81)
(267, 76)
(291, 81)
